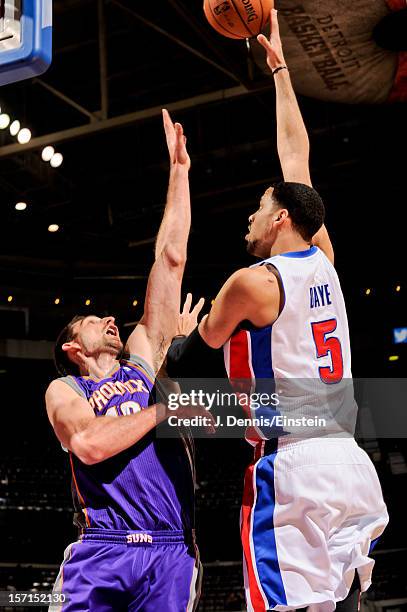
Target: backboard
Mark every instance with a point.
(25, 39)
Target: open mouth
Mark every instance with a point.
(111, 331)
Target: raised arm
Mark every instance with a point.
(292, 138)
(152, 336)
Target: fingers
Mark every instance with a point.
(169, 132)
(264, 42)
(198, 307)
(166, 118)
(168, 125)
(171, 127)
(181, 152)
(275, 28)
(187, 304)
(179, 130)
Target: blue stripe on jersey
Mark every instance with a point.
(264, 540)
(261, 352)
(373, 544)
(262, 362)
(301, 254)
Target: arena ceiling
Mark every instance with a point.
(115, 65)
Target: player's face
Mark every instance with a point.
(261, 234)
(97, 335)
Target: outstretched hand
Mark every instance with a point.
(188, 319)
(176, 142)
(274, 48)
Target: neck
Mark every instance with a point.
(288, 243)
(99, 366)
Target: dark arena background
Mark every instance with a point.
(83, 242)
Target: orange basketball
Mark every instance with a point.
(238, 18)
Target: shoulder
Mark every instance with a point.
(62, 388)
(55, 387)
(248, 276)
(248, 280)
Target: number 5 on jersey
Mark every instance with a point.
(328, 346)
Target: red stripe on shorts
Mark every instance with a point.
(247, 510)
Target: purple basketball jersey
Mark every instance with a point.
(146, 487)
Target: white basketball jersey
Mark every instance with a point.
(310, 338)
(309, 342)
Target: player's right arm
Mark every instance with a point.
(90, 438)
(292, 138)
(152, 336)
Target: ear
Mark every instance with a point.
(282, 215)
(72, 345)
(74, 351)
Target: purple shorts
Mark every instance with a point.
(147, 571)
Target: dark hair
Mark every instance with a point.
(304, 205)
(63, 364)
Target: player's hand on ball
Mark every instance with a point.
(176, 142)
(274, 48)
(188, 319)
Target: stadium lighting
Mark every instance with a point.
(56, 160)
(4, 121)
(47, 153)
(53, 228)
(21, 206)
(15, 127)
(24, 136)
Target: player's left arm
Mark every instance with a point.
(292, 137)
(249, 294)
(152, 336)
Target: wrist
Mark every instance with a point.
(179, 169)
(279, 69)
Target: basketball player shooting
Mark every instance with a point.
(133, 493)
(312, 506)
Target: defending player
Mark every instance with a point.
(312, 507)
(133, 493)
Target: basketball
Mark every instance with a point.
(238, 18)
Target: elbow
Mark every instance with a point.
(175, 257)
(86, 450)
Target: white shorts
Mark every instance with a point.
(310, 514)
